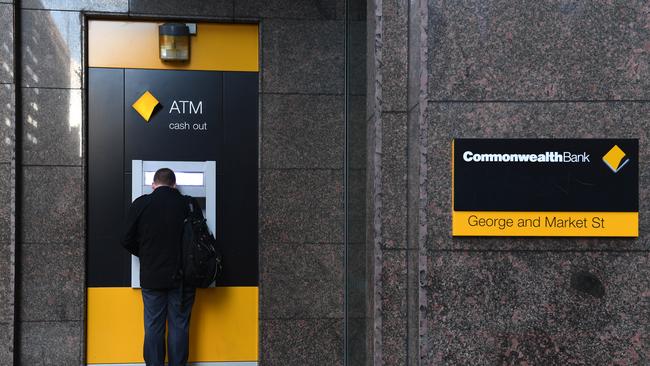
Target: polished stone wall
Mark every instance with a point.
(388, 245)
(301, 175)
(540, 70)
(7, 179)
(51, 267)
(536, 70)
(508, 70)
(436, 70)
(301, 181)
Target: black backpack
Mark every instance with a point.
(201, 259)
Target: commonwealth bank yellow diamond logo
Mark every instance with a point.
(145, 105)
(615, 159)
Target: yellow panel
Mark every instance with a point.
(134, 45)
(503, 223)
(224, 325)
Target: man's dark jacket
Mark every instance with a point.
(153, 232)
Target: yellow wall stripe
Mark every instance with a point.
(224, 325)
(134, 45)
(498, 223)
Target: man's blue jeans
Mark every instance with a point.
(161, 305)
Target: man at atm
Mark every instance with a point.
(153, 232)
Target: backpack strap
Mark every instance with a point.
(195, 208)
(190, 203)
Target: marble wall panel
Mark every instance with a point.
(51, 343)
(51, 49)
(52, 205)
(287, 9)
(537, 307)
(215, 8)
(302, 56)
(6, 210)
(394, 157)
(301, 206)
(302, 131)
(6, 44)
(6, 285)
(394, 282)
(394, 65)
(114, 6)
(301, 342)
(52, 282)
(394, 339)
(540, 50)
(52, 128)
(6, 344)
(7, 122)
(302, 281)
(7, 262)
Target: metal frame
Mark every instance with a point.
(208, 190)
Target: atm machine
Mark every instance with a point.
(193, 178)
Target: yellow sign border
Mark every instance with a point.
(511, 223)
(565, 224)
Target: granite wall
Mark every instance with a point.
(533, 69)
(436, 70)
(301, 180)
(51, 268)
(390, 251)
(7, 182)
(542, 70)
(301, 174)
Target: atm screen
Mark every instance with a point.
(182, 178)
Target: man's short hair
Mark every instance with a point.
(164, 177)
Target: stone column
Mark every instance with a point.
(7, 182)
(389, 249)
(51, 267)
(301, 180)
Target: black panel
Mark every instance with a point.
(546, 186)
(105, 170)
(124, 274)
(154, 140)
(118, 134)
(238, 185)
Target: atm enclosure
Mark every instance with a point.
(217, 162)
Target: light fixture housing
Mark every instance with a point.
(174, 41)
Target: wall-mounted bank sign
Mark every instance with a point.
(545, 187)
